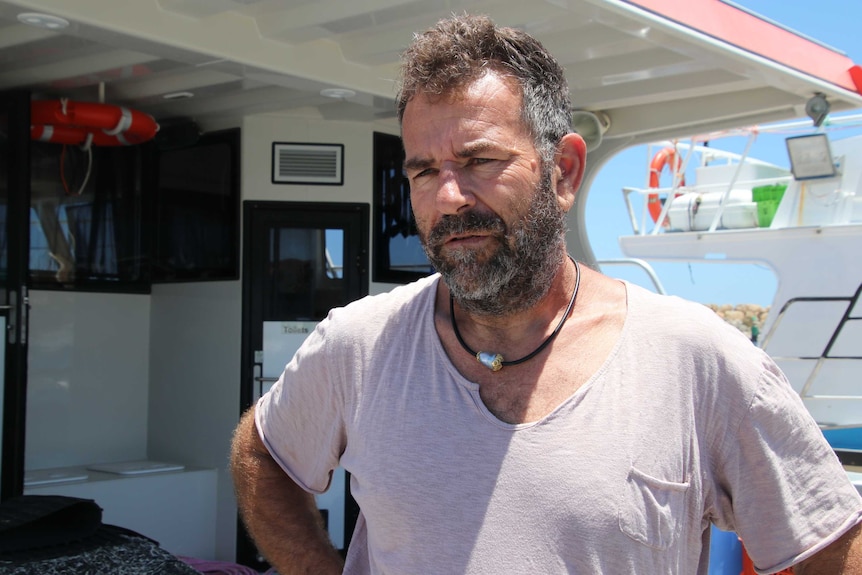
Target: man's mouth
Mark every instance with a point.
(465, 231)
(467, 240)
(466, 237)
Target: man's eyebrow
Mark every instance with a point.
(476, 148)
(417, 163)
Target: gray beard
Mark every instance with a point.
(519, 272)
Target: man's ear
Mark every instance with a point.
(571, 160)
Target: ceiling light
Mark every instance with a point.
(43, 20)
(340, 93)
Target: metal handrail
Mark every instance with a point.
(707, 154)
(644, 265)
(640, 230)
(825, 354)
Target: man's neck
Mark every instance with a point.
(521, 328)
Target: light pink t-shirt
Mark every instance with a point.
(685, 424)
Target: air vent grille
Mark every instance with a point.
(307, 163)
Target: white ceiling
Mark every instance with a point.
(650, 76)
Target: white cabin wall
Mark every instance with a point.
(88, 378)
(195, 335)
(259, 132)
(117, 377)
(195, 341)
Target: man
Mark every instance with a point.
(520, 413)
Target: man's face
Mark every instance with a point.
(485, 204)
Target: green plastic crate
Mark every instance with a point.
(766, 212)
(768, 193)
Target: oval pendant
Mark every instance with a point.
(492, 361)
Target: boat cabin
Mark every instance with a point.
(155, 280)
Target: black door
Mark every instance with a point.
(14, 259)
(299, 261)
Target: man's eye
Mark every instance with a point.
(416, 176)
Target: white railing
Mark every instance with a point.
(828, 352)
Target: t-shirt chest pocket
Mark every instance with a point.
(652, 511)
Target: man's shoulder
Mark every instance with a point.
(671, 307)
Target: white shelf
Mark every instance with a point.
(175, 508)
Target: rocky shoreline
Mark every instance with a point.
(746, 317)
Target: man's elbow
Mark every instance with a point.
(246, 451)
(843, 557)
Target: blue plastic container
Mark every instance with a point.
(844, 438)
(725, 553)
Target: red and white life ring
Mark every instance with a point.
(84, 123)
(664, 157)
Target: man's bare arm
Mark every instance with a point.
(844, 557)
(280, 516)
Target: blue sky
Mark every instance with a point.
(833, 22)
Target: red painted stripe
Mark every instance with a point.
(856, 75)
(744, 30)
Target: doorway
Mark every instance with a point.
(14, 304)
(299, 261)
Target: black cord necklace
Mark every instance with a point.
(494, 361)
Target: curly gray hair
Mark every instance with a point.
(458, 50)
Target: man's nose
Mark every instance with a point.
(454, 191)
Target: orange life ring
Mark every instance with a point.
(80, 123)
(664, 157)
